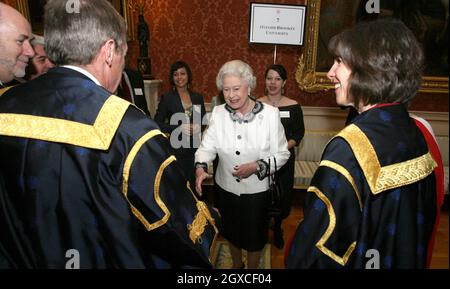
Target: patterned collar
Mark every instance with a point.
(249, 116)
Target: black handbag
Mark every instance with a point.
(274, 192)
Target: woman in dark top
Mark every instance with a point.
(372, 202)
(292, 119)
(179, 114)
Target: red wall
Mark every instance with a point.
(10, 2)
(206, 34)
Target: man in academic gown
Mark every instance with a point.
(15, 47)
(90, 180)
(16, 50)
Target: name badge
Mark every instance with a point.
(138, 91)
(285, 114)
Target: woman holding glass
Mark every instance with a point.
(179, 114)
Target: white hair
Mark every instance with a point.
(38, 40)
(236, 68)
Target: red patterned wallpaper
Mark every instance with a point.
(206, 34)
(9, 2)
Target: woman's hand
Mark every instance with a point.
(196, 128)
(186, 128)
(200, 175)
(291, 143)
(245, 170)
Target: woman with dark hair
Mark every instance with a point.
(372, 201)
(179, 114)
(292, 119)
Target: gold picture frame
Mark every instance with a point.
(122, 6)
(311, 79)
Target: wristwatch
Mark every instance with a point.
(204, 166)
(262, 170)
(260, 166)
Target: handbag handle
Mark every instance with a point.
(271, 177)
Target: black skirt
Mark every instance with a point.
(285, 177)
(244, 219)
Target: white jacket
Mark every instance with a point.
(237, 143)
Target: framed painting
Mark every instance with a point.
(34, 12)
(326, 18)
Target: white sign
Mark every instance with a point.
(277, 24)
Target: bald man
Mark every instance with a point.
(15, 51)
(15, 46)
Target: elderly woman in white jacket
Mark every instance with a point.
(247, 136)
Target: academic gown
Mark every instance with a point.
(372, 201)
(86, 170)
